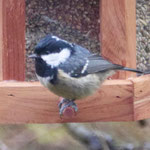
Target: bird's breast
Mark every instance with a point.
(74, 88)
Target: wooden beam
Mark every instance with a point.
(12, 40)
(141, 97)
(118, 33)
(117, 100)
(23, 102)
(1, 38)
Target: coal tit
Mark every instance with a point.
(71, 71)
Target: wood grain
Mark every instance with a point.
(23, 102)
(1, 38)
(116, 100)
(118, 33)
(12, 33)
(141, 97)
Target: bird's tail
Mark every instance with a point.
(132, 70)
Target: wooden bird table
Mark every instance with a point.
(125, 98)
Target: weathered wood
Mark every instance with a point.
(142, 97)
(118, 33)
(24, 102)
(12, 40)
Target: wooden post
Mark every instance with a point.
(12, 40)
(118, 33)
(1, 38)
(141, 97)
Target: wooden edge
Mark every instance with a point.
(117, 100)
(141, 97)
(24, 102)
(1, 36)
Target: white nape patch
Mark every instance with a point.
(85, 66)
(56, 38)
(56, 59)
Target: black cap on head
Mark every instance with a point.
(51, 44)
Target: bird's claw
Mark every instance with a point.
(66, 104)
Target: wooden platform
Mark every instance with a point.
(117, 100)
(125, 98)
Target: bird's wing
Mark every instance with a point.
(76, 62)
(82, 62)
(98, 64)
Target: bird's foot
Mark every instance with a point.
(67, 108)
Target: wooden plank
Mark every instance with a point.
(1, 9)
(141, 97)
(118, 33)
(23, 102)
(12, 34)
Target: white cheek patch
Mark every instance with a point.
(57, 58)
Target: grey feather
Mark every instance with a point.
(76, 62)
(96, 63)
(99, 64)
(79, 59)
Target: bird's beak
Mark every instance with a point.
(32, 56)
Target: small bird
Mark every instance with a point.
(71, 71)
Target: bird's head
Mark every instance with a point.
(53, 50)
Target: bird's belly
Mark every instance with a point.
(74, 88)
